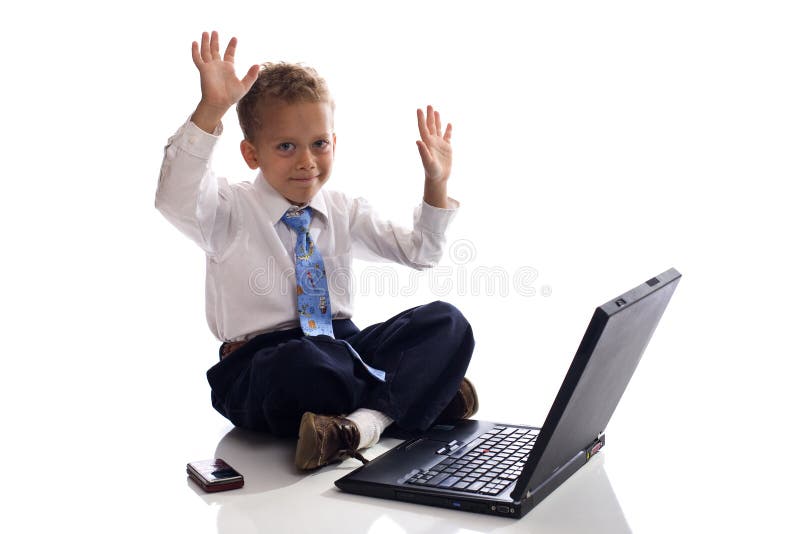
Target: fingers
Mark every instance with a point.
(230, 51)
(198, 60)
(426, 123)
(208, 49)
(205, 48)
(430, 125)
(424, 153)
(214, 45)
(250, 78)
(423, 129)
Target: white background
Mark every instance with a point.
(598, 143)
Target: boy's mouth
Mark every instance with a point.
(302, 178)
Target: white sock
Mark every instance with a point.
(370, 424)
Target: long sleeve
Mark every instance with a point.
(189, 195)
(420, 247)
(250, 270)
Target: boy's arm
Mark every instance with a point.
(422, 246)
(419, 247)
(189, 195)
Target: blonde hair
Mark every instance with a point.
(287, 82)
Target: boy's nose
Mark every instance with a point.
(306, 160)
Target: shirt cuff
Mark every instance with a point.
(435, 219)
(197, 141)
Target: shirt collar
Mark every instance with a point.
(276, 205)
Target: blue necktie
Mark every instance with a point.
(313, 300)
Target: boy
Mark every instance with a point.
(291, 362)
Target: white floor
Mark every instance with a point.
(703, 440)
(586, 504)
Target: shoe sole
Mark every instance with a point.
(307, 454)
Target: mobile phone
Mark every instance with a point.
(214, 475)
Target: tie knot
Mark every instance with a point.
(298, 220)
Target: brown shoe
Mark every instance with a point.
(463, 406)
(324, 439)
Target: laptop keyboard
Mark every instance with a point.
(486, 465)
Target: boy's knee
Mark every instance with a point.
(440, 312)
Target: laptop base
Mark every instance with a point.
(407, 455)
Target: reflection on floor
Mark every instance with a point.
(278, 498)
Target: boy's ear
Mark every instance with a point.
(334, 142)
(249, 153)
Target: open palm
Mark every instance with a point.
(434, 148)
(218, 82)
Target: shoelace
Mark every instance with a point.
(354, 454)
(345, 429)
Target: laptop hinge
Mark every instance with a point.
(582, 457)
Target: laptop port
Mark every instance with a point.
(503, 509)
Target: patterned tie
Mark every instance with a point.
(313, 300)
(312, 284)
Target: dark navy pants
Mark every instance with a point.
(268, 383)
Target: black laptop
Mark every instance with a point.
(507, 469)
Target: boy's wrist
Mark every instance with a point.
(207, 117)
(436, 194)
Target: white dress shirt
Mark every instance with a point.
(250, 277)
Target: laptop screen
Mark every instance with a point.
(603, 365)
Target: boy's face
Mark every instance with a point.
(294, 148)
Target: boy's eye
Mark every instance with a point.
(285, 147)
(322, 143)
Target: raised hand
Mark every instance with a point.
(434, 148)
(218, 82)
(436, 154)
